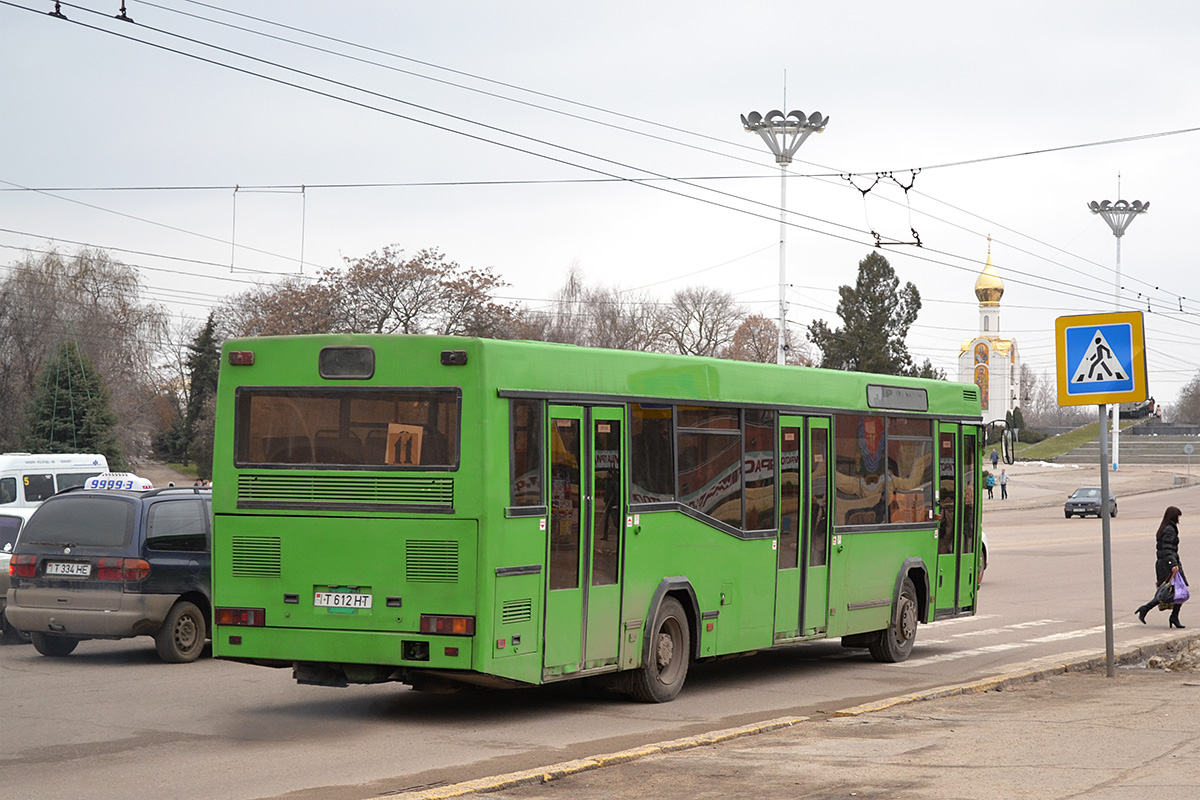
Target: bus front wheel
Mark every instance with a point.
(895, 642)
(661, 677)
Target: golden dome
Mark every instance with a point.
(988, 287)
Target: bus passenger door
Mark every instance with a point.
(950, 512)
(789, 580)
(817, 528)
(968, 580)
(585, 532)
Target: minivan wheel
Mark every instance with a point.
(54, 646)
(181, 638)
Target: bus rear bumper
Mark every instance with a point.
(339, 658)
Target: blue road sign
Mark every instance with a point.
(1101, 359)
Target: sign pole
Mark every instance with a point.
(1101, 359)
(1109, 662)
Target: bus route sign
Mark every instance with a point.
(1101, 359)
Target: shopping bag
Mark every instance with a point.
(1165, 595)
(1181, 588)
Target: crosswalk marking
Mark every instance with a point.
(1004, 646)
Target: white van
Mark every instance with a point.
(26, 479)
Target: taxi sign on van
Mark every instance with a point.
(118, 480)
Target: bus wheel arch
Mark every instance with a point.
(916, 571)
(895, 642)
(670, 639)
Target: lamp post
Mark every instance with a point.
(1119, 216)
(783, 135)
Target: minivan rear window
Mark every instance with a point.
(81, 520)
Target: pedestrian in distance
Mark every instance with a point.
(1166, 563)
(1003, 485)
(995, 459)
(990, 483)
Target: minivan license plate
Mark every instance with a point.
(73, 570)
(342, 600)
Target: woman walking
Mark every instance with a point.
(1167, 561)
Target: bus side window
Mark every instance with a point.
(526, 471)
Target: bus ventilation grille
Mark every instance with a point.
(971, 395)
(515, 611)
(256, 557)
(335, 490)
(431, 562)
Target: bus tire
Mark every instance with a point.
(181, 637)
(894, 643)
(661, 677)
(50, 645)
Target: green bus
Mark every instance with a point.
(444, 511)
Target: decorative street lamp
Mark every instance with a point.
(783, 135)
(1119, 216)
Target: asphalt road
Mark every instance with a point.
(111, 716)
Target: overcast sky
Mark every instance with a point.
(510, 136)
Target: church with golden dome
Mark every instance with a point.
(989, 360)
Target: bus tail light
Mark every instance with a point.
(122, 569)
(451, 626)
(22, 567)
(245, 617)
(241, 358)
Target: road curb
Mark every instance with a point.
(540, 775)
(1133, 655)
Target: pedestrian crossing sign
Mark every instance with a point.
(1101, 359)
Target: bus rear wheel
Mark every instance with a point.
(894, 643)
(660, 678)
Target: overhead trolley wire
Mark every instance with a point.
(609, 176)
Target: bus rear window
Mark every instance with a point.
(377, 428)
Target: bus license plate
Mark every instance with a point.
(342, 600)
(72, 570)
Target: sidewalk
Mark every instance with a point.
(1046, 732)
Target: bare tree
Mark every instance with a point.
(563, 319)
(91, 299)
(623, 320)
(757, 339)
(701, 321)
(382, 292)
(293, 305)
(597, 316)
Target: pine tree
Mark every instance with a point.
(876, 313)
(70, 410)
(204, 362)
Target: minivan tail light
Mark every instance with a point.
(122, 569)
(452, 626)
(22, 567)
